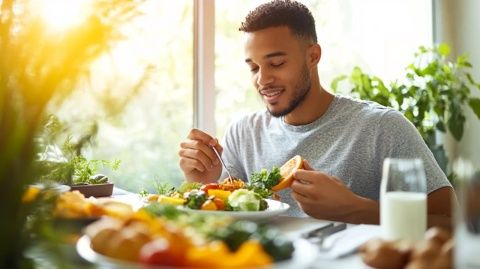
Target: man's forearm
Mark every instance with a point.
(437, 220)
(367, 212)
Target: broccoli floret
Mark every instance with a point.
(195, 199)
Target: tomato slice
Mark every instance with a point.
(219, 203)
(210, 186)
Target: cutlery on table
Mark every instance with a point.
(316, 236)
(230, 178)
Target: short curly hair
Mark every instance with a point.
(288, 13)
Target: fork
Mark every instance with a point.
(230, 178)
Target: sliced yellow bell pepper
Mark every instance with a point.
(162, 199)
(209, 205)
(219, 193)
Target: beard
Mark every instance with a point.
(302, 88)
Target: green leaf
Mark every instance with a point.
(455, 125)
(335, 81)
(462, 61)
(474, 104)
(444, 49)
(470, 78)
(440, 126)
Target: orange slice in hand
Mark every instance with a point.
(286, 171)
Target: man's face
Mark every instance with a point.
(277, 60)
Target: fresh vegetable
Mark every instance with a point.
(244, 200)
(161, 252)
(274, 244)
(209, 205)
(220, 203)
(263, 181)
(195, 199)
(168, 211)
(164, 188)
(210, 186)
(269, 179)
(162, 199)
(241, 231)
(236, 234)
(187, 186)
(219, 193)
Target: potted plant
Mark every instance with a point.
(433, 95)
(61, 159)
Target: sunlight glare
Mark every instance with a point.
(60, 15)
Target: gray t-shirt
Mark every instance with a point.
(350, 141)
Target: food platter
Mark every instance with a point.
(303, 257)
(275, 208)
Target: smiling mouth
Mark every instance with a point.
(271, 92)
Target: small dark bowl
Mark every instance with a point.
(95, 190)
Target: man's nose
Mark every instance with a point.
(264, 77)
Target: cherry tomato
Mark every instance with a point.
(219, 203)
(161, 252)
(210, 186)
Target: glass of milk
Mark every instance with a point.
(403, 199)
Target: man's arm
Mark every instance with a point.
(325, 197)
(439, 209)
(440, 203)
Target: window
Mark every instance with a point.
(379, 36)
(146, 82)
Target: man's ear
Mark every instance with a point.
(314, 54)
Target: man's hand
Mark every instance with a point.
(197, 159)
(326, 197)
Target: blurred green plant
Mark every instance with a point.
(433, 94)
(39, 68)
(60, 157)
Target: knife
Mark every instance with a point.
(316, 231)
(317, 235)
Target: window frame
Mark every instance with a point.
(204, 65)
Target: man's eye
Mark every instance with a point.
(277, 64)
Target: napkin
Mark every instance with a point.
(346, 242)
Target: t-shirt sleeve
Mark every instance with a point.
(398, 138)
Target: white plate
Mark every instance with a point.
(303, 257)
(275, 208)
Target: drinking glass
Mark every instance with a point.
(403, 199)
(467, 216)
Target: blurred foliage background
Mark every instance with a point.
(118, 75)
(38, 70)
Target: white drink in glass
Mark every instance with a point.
(403, 215)
(403, 199)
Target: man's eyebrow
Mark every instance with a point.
(270, 55)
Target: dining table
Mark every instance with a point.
(292, 228)
(306, 255)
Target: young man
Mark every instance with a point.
(343, 141)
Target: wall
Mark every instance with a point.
(458, 24)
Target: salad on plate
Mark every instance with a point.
(233, 194)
